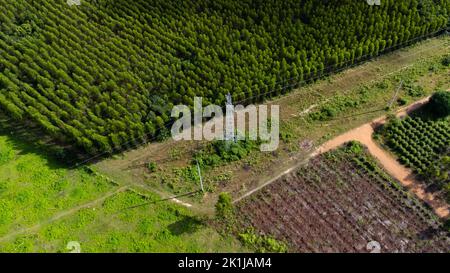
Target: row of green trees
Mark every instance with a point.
(108, 72)
(421, 144)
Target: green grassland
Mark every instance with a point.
(34, 189)
(110, 227)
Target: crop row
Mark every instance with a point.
(341, 201)
(106, 73)
(418, 143)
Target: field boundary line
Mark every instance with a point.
(306, 110)
(273, 179)
(62, 214)
(390, 164)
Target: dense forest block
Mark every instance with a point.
(116, 67)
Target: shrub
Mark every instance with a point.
(433, 68)
(447, 225)
(262, 244)
(446, 60)
(440, 103)
(286, 136)
(151, 166)
(224, 206)
(219, 152)
(402, 101)
(415, 91)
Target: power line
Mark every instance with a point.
(319, 76)
(395, 94)
(160, 200)
(155, 136)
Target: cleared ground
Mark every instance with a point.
(405, 176)
(342, 201)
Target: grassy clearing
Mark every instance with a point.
(109, 227)
(35, 188)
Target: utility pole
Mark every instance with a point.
(395, 95)
(201, 179)
(229, 120)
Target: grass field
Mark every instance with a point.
(43, 206)
(33, 187)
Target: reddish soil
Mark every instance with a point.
(405, 175)
(332, 205)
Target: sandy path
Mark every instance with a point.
(364, 134)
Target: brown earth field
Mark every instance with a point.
(404, 175)
(342, 201)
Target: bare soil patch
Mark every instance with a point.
(334, 205)
(405, 175)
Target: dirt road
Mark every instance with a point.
(364, 134)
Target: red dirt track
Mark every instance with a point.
(364, 134)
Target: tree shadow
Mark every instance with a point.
(28, 139)
(429, 233)
(187, 224)
(426, 112)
